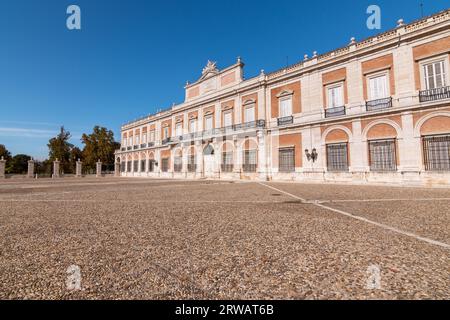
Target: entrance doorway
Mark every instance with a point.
(208, 161)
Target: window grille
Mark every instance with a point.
(382, 155)
(436, 151)
(249, 161)
(337, 157)
(286, 159)
(129, 166)
(142, 165)
(151, 165)
(227, 162)
(165, 165)
(178, 164)
(135, 165)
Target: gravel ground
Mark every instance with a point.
(164, 239)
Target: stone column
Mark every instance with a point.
(199, 157)
(30, 168)
(117, 169)
(56, 168)
(262, 156)
(78, 167)
(2, 168)
(99, 169)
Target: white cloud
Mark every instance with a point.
(26, 132)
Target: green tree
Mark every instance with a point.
(59, 148)
(100, 144)
(4, 153)
(75, 154)
(18, 164)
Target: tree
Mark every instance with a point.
(75, 154)
(99, 144)
(4, 153)
(59, 148)
(18, 164)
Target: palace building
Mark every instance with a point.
(373, 111)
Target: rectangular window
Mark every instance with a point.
(122, 167)
(124, 142)
(378, 87)
(142, 165)
(129, 164)
(285, 107)
(249, 115)
(286, 157)
(144, 138)
(227, 162)
(227, 119)
(382, 155)
(166, 132)
(135, 165)
(178, 164)
(179, 130)
(434, 74)
(151, 165)
(192, 125)
(130, 141)
(249, 161)
(192, 167)
(152, 136)
(208, 123)
(165, 165)
(136, 140)
(335, 97)
(436, 151)
(337, 157)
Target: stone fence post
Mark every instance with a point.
(78, 168)
(30, 173)
(2, 168)
(99, 169)
(56, 168)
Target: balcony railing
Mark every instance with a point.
(379, 104)
(285, 120)
(136, 147)
(434, 94)
(150, 144)
(166, 141)
(123, 149)
(143, 145)
(335, 112)
(129, 148)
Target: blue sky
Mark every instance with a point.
(133, 57)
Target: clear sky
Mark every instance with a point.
(132, 57)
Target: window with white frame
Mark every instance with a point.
(144, 137)
(249, 113)
(136, 140)
(434, 74)
(192, 125)
(179, 129)
(165, 132)
(227, 119)
(285, 107)
(335, 96)
(124, 141)
(130, 141)
(152, 136)
(209, 122)
(378, 86)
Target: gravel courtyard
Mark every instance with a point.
(168, 239)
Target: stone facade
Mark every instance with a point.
(374, 111)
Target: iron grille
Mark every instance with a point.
(142, 165)
(434, 94)
(177, 164)
(436, 151)
(382, 155)
(129, 166)
(337, 157)
(227, 162)
(165, 165)
(249, 161)
(122, 167)
(285, 120)
(191, 166)
(135, 165)
(286, 159)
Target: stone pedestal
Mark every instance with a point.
(99, 169)
(56, 169)
(117, 169)
(78, 168)
(2, 168)
(30, 173)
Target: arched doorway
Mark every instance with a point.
(208, 161)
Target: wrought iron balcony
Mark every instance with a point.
(434, 94)
(129, 148)
(150, 144)
(285, 120)
(143, 145)
(166, 141)
(335, 112)
(379, 104)
(123, 149)
(136, 147)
